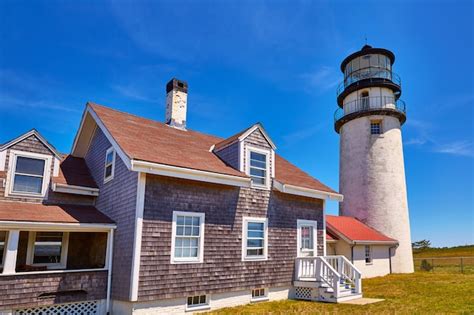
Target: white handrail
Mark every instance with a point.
(331, 270)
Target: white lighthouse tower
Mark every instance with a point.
(372, 172)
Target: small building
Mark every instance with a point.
(368, 249)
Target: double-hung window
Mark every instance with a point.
(258, 167)
(255, 239)
(3, 239)
(187, 237)
(29, 173)
(48, 249)
(368, 254)
(109, 165)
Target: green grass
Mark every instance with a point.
(417, 293)
(447, 259)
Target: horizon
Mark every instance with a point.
(276, 63)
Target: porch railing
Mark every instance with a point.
(333, 271)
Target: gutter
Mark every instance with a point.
(187, 173)
(306, 192)
(77, 190)
(390, 256)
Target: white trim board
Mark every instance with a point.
(187, 173)
(137, 242)
(55, 226)
(306, 192)
(77, 190)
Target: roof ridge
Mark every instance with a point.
(152, 120)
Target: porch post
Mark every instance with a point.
(9, 265)
(108, 261)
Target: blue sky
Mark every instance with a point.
(275, 62)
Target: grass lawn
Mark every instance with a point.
(421, 292)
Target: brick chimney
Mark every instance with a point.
(176, 103)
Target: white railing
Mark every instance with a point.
(349, 272)
(333, 271)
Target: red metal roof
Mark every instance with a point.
(35, 212)
(152, 141)
(354, 230)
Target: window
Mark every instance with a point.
(28, 173)
(375, 127)
(109, 165)
(48, 249)
(259, 294)
(3, 239)
(258, 168)
(188, 237)
(254, 240)
(368, 254)
(197, 302)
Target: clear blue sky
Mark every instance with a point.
(275, 62)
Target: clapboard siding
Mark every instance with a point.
(224, 206)
(117, 199)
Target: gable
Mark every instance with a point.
(33, 142)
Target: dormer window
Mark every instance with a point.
(258, 167)
(29, 173)
(109, 165)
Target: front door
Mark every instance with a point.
(307, 236)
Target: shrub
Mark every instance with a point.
(425, 265)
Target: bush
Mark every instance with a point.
(425, 265)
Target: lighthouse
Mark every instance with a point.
(369, 118)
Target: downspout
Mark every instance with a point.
(109, 271)
(352, 252)
(390, 256)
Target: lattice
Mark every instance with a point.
(80, 308)
(303, 293)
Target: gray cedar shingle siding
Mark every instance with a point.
(230, 155)
(117, 199)
(23, 291)
(224, 206)
(30, 144)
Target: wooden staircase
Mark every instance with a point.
(327, 279)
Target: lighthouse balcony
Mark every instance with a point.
(376, 105)
(367, 77)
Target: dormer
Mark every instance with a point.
(27, 164)
(251, 152)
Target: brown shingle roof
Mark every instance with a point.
(152, 141)
(33, 212)
(74, 171)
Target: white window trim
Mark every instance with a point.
(5, 242)
(267, 153)
(108, 179)
(31, 251)
(198, 307)
(260, 298)
(11, 173)
(245, 222)
(370, 256)
(314, 224)
(188, 260)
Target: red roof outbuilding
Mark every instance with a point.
(354, 231)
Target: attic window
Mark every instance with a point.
(29, 173)
(258, 168)
(109, 165)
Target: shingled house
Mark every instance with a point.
(146, 217)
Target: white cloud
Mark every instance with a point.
(461, 148)
(321, 79)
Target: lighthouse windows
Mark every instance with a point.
(375, 127)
